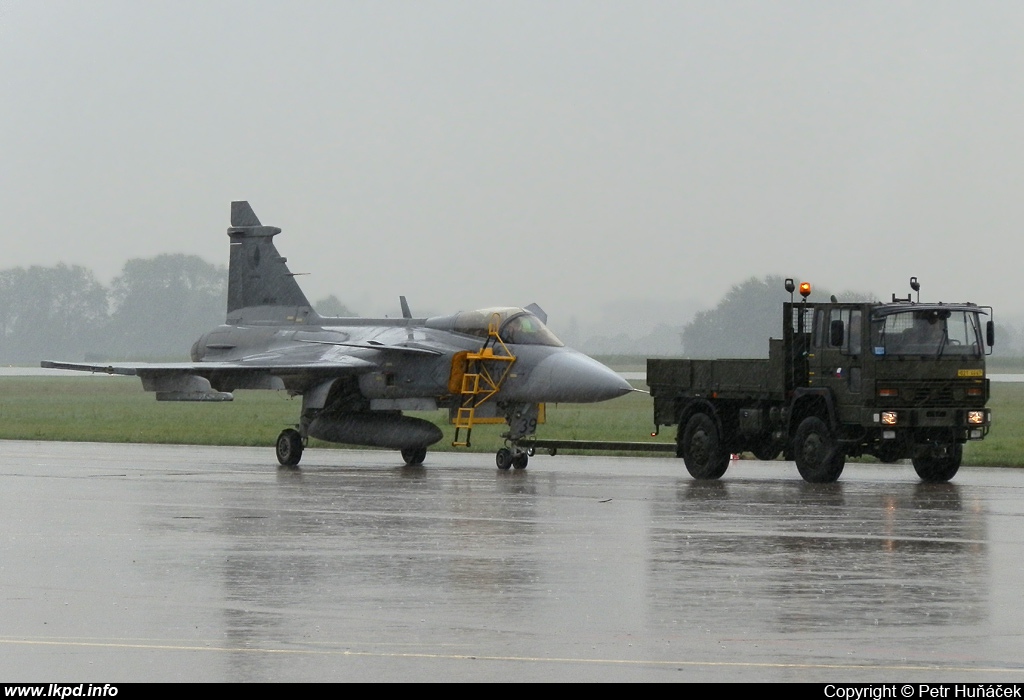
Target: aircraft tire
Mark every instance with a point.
(289, 448)
(817, 454)
(414, 456)
(503, 458)
(701, 447)
(520, 460)
(938, 470)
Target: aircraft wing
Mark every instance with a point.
(114, 368)
(132, 369)
(195, 381)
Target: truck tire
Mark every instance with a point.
(701, 447)
(816, 452)
(938, 470)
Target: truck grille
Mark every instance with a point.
(920, 394)
(935, 396)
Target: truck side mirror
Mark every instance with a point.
(990, 333)
(836, 334)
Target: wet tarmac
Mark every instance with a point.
(174, 563)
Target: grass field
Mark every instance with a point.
(98, 408)
(115, 409)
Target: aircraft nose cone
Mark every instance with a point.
(575, 378)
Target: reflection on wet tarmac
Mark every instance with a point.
(799, 557)
(354, 568)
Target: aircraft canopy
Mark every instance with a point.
(515, 325)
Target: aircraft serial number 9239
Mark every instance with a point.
(357, 375)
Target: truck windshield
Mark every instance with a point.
(934, 332)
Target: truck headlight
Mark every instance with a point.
(889, 417)
(975, 417)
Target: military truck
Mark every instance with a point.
(896, 380)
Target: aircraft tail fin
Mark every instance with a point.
(260, 285)
(243, 215)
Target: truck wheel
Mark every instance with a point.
(816, 452)
(937, 470)
(702, 448)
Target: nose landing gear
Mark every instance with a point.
(511, 457)
(522, 422)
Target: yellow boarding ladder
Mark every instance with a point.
(480, 383)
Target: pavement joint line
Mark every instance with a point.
(532, 659)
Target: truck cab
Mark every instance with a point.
(899, 380)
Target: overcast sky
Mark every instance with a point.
(479, 153)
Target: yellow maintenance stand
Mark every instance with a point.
(485, 372)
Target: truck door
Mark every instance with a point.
(838, 339)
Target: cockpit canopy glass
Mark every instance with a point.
(514, 325)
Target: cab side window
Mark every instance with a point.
(851, 336)
(819, 329)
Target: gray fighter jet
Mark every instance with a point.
(357, 375)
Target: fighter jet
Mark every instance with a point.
(356, 375)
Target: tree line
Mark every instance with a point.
(154, 309)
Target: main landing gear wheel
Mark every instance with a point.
(503, 458)
(701, 448)
(816, 452)
(289, 448)
(939, 469)
(414, 456)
